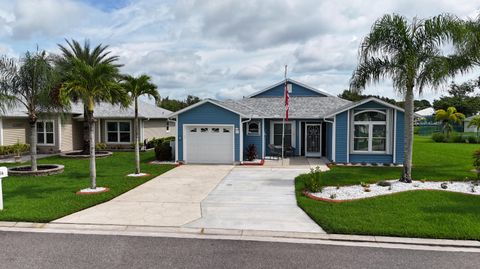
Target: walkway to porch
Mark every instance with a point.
(300, 162)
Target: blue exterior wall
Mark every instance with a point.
(341, 137)
(207, 113)
(400, 137)
(297, 90)
(329, 140)
(253, 139)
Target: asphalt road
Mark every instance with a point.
(39, 250)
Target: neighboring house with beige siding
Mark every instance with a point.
(66, 131)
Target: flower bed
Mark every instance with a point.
(390, 187)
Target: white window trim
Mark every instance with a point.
(254, 133)
(118, 132)
(370, 132)
(294, 133)
(45, 133)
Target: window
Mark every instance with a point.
(118, 132)
(277, 134)
(253, 128)
(193, 130)
(215, 130)
(370, 131)
(203, 130)
(225, 130)
(45, 133)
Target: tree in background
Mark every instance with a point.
(410, 53)
(475, 121)
(356, 96)
(28, 82)
(175, 105)
(447, 117)
(460, 97)
(136, 87)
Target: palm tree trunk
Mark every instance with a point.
(33, 145)
(408, 136)
(137, 139)
(93, 168)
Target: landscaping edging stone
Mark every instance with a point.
(57, 169)
(72, 155)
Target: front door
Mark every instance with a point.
(313, 140)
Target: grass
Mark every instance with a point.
(43, 199)
(428, 214)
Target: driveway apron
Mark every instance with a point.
(256, 199)
(171, 199)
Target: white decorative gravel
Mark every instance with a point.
(358, 192)
(137, 175)
(90, 190)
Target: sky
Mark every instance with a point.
(220, 49)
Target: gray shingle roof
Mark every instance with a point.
(273, 107)
(104, 110)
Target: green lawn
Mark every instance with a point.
(431, 214)
(42, 199)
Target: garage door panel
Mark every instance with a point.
(209, 144)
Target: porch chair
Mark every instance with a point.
(274, 151)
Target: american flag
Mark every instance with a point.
(286, 101)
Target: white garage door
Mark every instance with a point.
(209, 144)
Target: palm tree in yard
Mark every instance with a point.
(410, 53)
(447, 117)
(87, 77)
(28, 82)
(475, 121)
(136, 87)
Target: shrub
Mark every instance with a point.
(457, 139)
(472, 139)
(251, 152)
(439, 137)
(312, 180)
(17, 148)
(154, 142)
(163, 152)
(132, 145)
(100, 146)
(416, 130)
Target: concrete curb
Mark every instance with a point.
(242, 234)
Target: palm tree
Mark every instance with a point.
(136, 87)
(410, 54)
(91, 81)
(448, 117)
(475, 121)
(91, 56)
(29, 82)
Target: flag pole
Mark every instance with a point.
(284, 114)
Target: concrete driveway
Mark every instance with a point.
(256, 199)
(171, 199)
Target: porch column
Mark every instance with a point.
(263, 138)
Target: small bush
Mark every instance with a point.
(100, 146)
(17, 149)
(416, 130)
(439, 137)
(476, 162)
(251, 152)
(472, 139)
(154, 142)
(457, 139)
(312, 181)
(163, 152)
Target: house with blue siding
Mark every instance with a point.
(319, 125)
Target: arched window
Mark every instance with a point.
(370, 131)
(253, 128)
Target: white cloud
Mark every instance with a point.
(220, 49)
